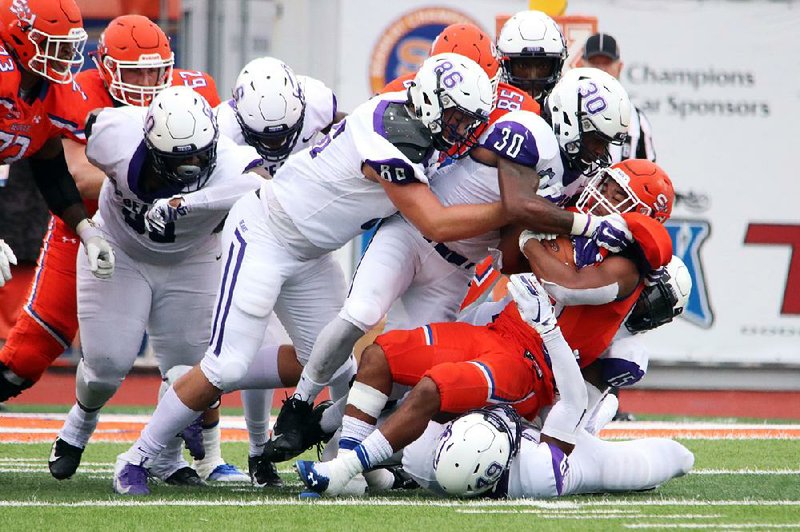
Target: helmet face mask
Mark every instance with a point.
(452, 96)
(661, 302)
(134, 59)
(46, 37)
(270, 106)
(181, 136)
(533, 52)
(588, 110)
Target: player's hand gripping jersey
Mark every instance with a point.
(116, 146)
(323, 192)
(320, 111)
(25, 126)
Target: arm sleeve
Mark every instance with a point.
(567, 413)
(220, 195)
(54, 181)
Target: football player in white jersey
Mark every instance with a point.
(169, 155)
(278, 113)
(431, 278)
(279, 240)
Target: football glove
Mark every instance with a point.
(527, 235)
(98, 250)
(7, 258)
(654, 276)
(164, 211)
(533, 302)
(612, 233)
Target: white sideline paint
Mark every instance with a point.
(552, 505)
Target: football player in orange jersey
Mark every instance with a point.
(455, 367)
(41, 42)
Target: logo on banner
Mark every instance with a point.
(406, 43)
(687, 239)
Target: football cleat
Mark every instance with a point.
(326, 478)
(289, 435)
(227, 473)
(402, 480)
(185, 476)
(193, 438)
(64, 459)
(263, 473)
(130, 479)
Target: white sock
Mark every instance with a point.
(354, 431)
(374, 450)
(307, 390)
(333, 415)
(257, 406)
(170, 417)
(211, 443)
(79, 426)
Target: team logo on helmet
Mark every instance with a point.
(406, 43)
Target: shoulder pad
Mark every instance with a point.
(652, 246)
(407, 134)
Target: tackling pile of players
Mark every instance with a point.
(211, 221)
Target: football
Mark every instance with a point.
(562, 248)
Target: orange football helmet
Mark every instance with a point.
(134, 42)
(470, 41)
(44, 36)
(641, 186)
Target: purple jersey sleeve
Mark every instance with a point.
(513, 141)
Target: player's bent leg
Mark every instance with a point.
(29, 351)
(404, 426)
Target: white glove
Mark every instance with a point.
(7, 258)
(101, 256)
(164, 211)
(533, 302)
(527, 235)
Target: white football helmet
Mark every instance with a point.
(270, 107)
(473, 453)
(529, 36)
(587, 102)
(661, 302)
(181, 132)
(452, 81)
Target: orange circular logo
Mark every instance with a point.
(407, 41)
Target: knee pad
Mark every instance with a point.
(225, 375)
(175, 373)
(363, 313)
(619, 372)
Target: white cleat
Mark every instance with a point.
(325, 478)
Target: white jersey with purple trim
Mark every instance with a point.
(320, 111)
(323, 190)
(520, 136)
(542, 470)
(116, 146)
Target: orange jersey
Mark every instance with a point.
(590, 329)
(199, 81)
(26, 126)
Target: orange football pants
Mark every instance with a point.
(49, 320)
(472, 367)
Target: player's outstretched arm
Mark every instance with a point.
(422, 208)
(566, 415)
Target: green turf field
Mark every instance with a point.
(738, 484)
